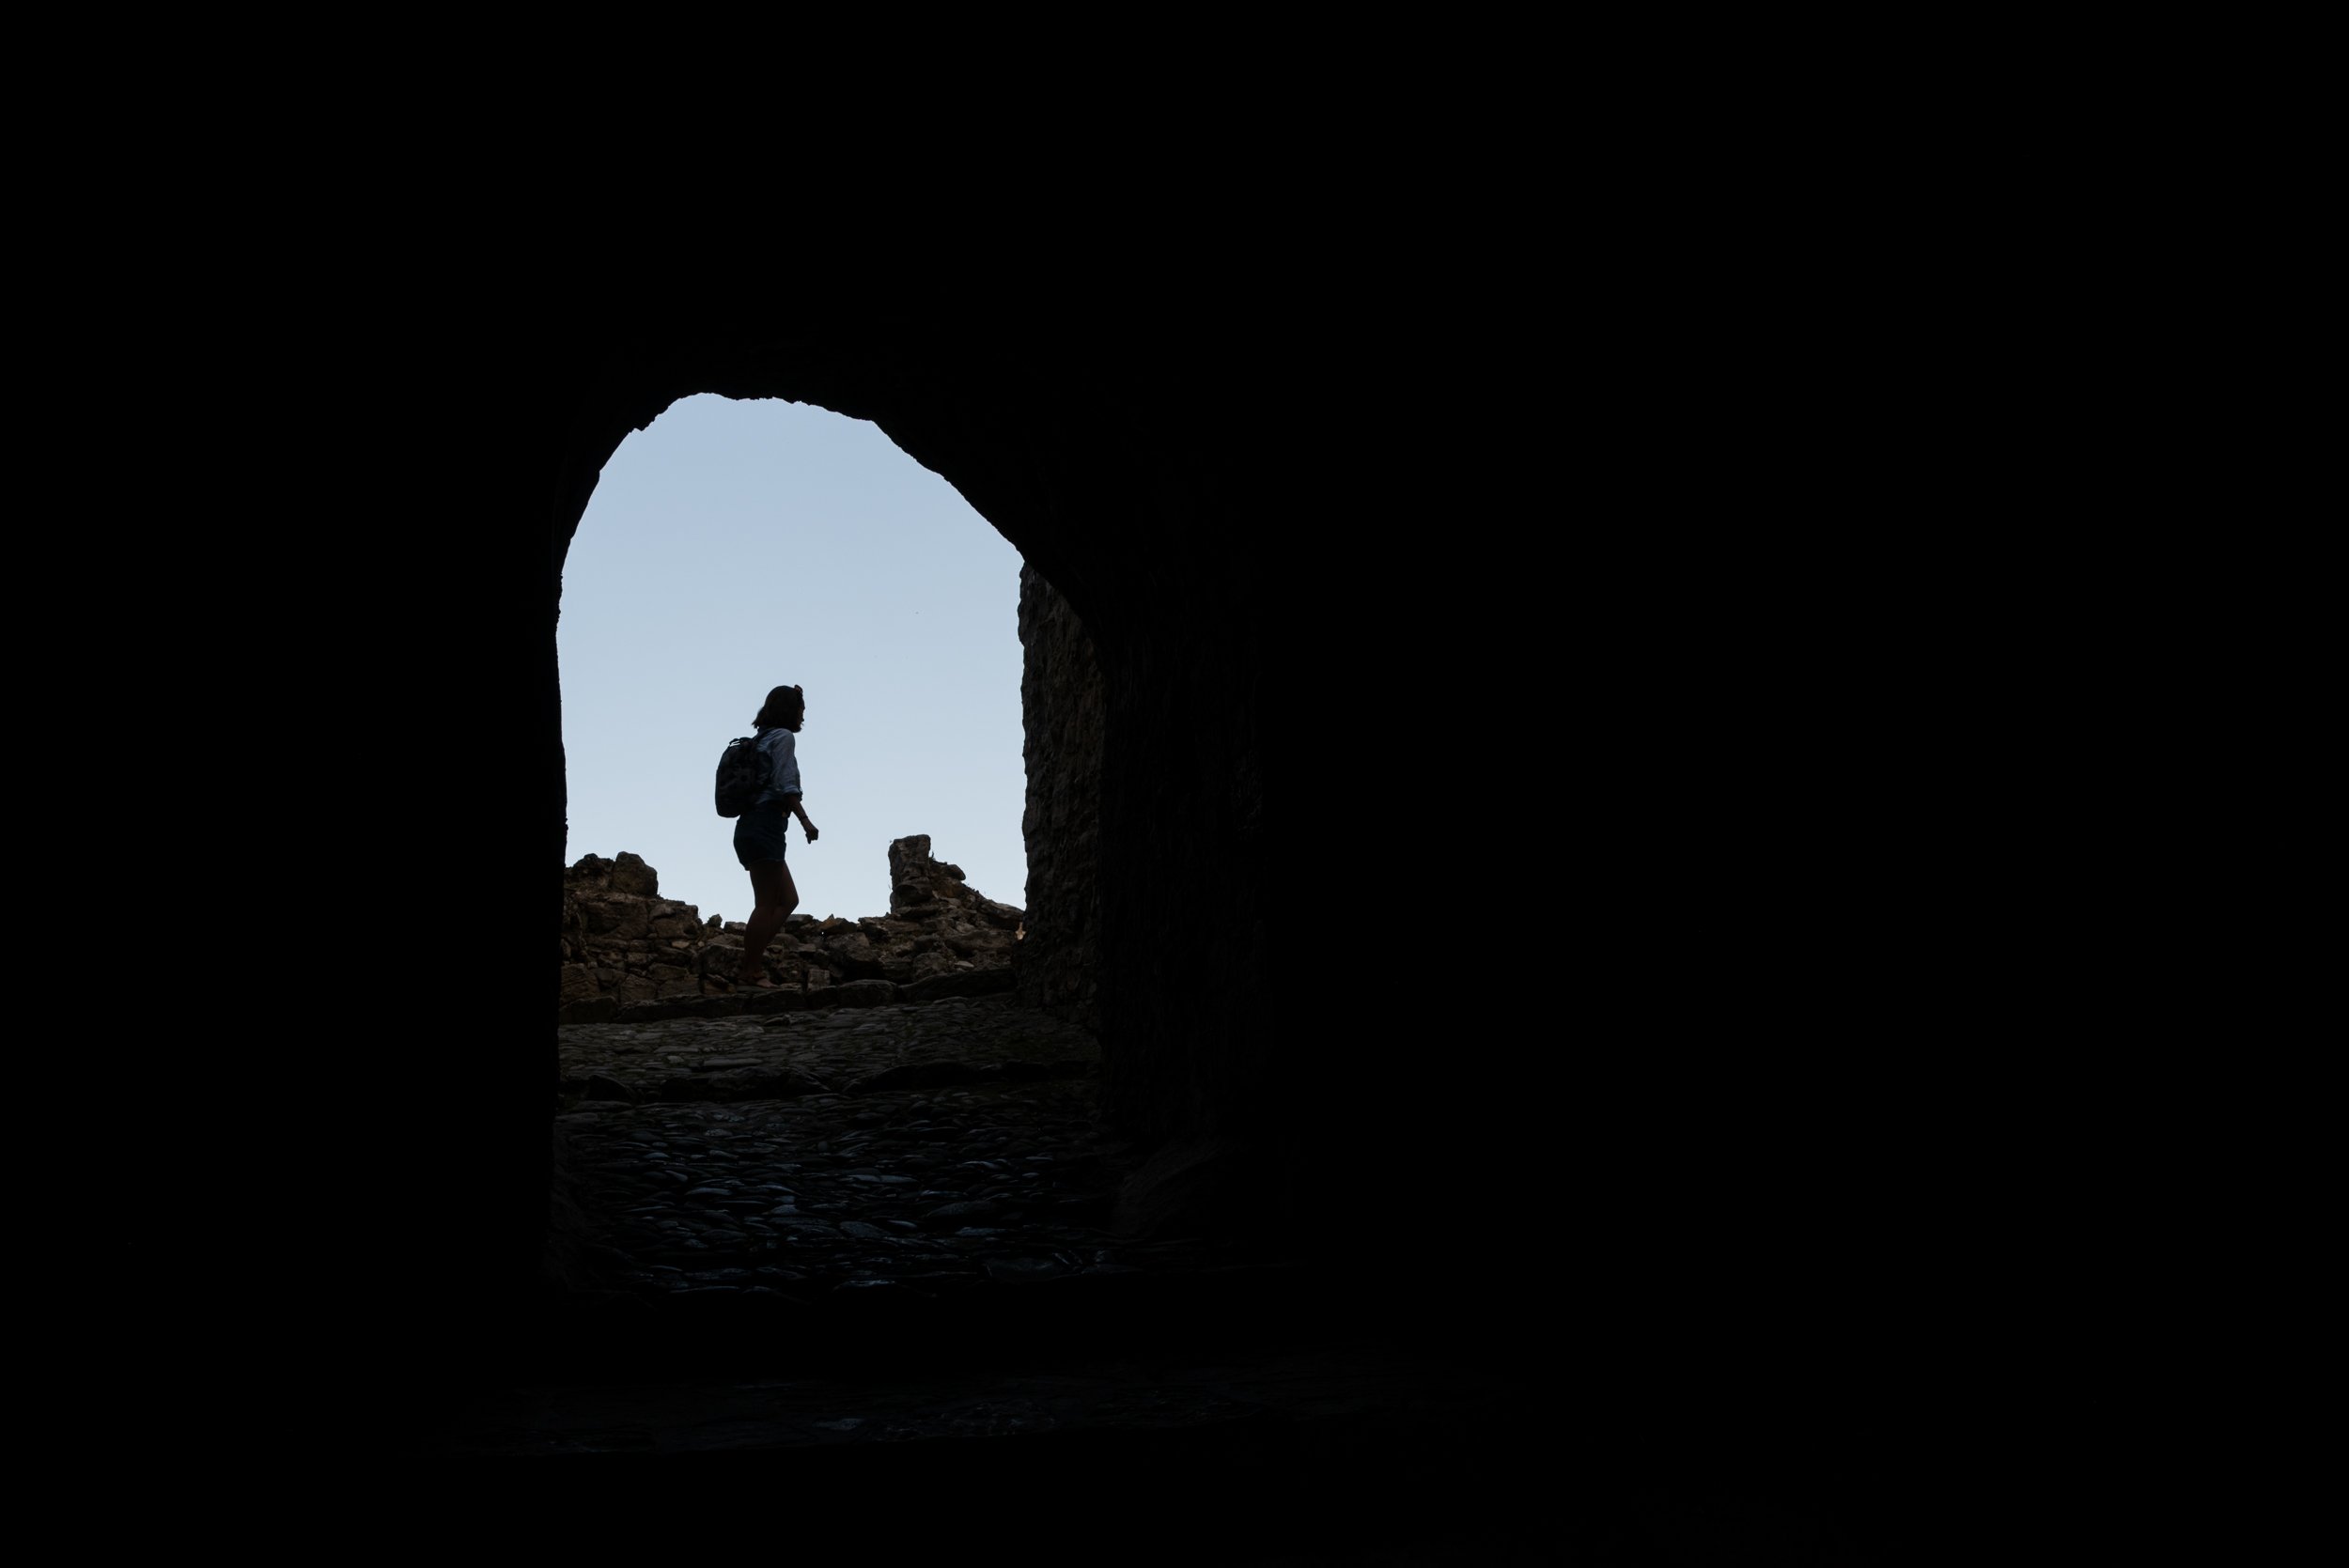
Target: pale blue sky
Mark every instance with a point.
(735, 546)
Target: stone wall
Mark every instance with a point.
(1060, 696)
(626, 950)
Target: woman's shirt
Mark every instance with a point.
(783, 758)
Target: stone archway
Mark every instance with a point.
(1133, 491)
(1129, 537)
(1603, 577)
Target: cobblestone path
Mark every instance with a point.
(928, 1148)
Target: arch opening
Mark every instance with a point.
(712, 1137)
(732, 545)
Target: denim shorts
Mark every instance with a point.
(758, 836)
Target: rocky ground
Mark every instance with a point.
(629, 953)
(929, 1149)
(856, 1265)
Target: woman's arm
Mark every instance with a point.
(791, 804)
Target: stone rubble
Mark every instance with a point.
(626, 950)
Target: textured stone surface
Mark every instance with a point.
(883, 1239)
(627, 952)
(1060, 701)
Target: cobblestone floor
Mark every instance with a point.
(930, 1148)
(858, 1263)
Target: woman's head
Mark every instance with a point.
(785, 707)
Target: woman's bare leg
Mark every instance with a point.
(777, 896)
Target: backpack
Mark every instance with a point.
(744, 772)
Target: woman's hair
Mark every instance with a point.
(785, 707)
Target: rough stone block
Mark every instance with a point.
(681, 1008)
(859, 993)
(963, 983)
(777, 1002)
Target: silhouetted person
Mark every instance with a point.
(758, 833)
